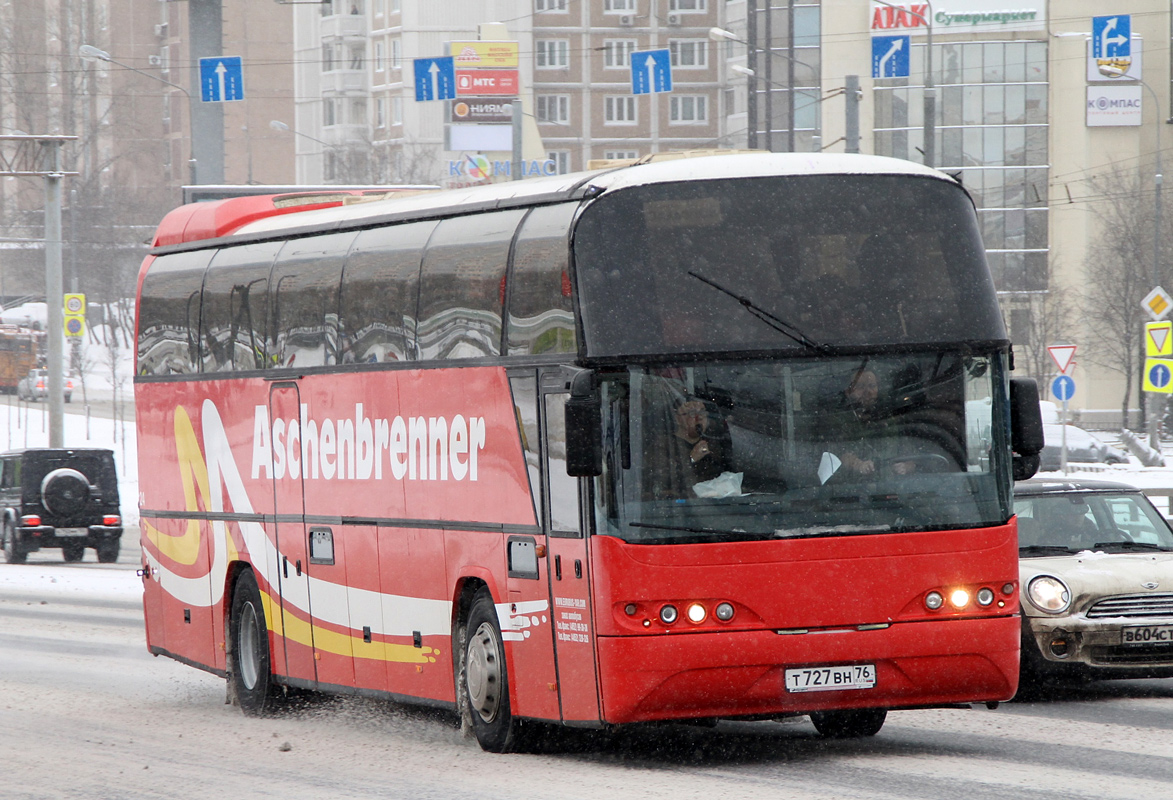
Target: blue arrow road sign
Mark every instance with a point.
(435, 79)
(890, 56)
(651, 71)
(1112, 36)
(1160, 375)
(1063, 388)
(221, 79)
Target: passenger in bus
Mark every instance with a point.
(693, 452)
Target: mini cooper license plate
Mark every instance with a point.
(831, 679)
(1147, 634)
(73, 531)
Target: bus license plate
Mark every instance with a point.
(1148, 634)
(73, 531)
(831, 679)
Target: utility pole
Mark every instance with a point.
(851, 95)
(23, 155)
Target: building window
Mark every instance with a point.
(328, 59)
(553, 108)
(619, 110)
(380, 7)
(393, 6)
(613, 155)
(380, 50)
(329, 111)
(396, 110)
(686, 5)
(380, 112)
(619, 5)
(358, 112)
(689, 52)
(617, 53)
(730, 100)
(549, 5)
(358, 55)
(396, 53)
(553, 53)
(689, 109)
(561, 159)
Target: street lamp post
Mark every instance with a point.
(720, 34)
(930, 91)
(91, 53)
(1115, 72)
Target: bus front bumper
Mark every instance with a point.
(742, 673)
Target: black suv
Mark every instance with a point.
(60, 497)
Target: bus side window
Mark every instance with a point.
(169, 316)
(380, 291)
(462, 285)
(563, 491)
(525, 406)
(234, 321)
(541, 315)
(305, 300)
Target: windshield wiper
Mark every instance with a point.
(783, 327)
(707, 531)
(1130, 546)
(1040, 549)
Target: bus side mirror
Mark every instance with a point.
(1026, 427)
(584, 428)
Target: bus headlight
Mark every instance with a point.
(1049, 594)
(959, 598)
(696, 613)
(933, 601)
(985, 596)
(668, 614)
(724, 611)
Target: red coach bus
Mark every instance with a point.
(723, 437)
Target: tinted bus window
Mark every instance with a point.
(233, 326)
(462, 286)
(840, 259)
(541, 317)
(304, 298)
(170, 314)
(380, 290)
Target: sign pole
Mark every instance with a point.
(1063, 449)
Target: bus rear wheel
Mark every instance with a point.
(850, 724)
(251, 682)
(486, 680)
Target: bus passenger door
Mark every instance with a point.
(297, 651)
(568, 554)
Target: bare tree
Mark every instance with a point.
(1050, 319)
(1118, 273)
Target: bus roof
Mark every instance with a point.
(540, 191)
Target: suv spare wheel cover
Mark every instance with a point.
(65, 491)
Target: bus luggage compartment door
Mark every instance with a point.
(296, 649)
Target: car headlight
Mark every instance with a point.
(1049, 594)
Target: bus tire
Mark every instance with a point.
(485, 679)
(73, 552)
(12, 552)
(854, 723)
(251, 681)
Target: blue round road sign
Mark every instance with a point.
(1063, 387)
(1159, 376)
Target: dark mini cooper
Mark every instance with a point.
(60, 497)
(1096, 569)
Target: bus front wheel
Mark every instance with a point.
(850, 724)
(486, 680)
(251, 680)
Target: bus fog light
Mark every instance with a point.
(985, 596)
(933, 601)
(959, 598)
(668, 615)
(696, 613)
(724, 611)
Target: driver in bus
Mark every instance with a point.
(694, 452)
(859, 424)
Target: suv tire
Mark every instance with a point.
(65, 492)
(108, 551)
(73, 552)
(12, 552)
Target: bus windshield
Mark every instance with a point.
(843, 260)
(803, 447)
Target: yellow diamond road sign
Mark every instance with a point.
(1158, 339)
(1157, 303)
